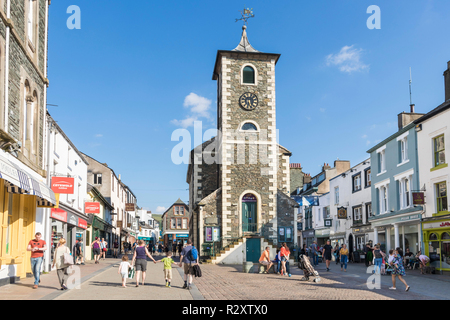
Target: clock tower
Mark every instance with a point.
(252, 166)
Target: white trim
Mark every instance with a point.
(404, 162)
(382, 183)
(438, 132)
(403, 136)
(405, 174)
(258, 129)
(381, 149)
(379, 174)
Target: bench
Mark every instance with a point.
(262, 268)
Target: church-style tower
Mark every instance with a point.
(242, 194)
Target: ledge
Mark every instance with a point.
(444, 165)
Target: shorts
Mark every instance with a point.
(96, 251)
(141, 265)
(124, 275)
(264, 262)
(188, 269)
(328, 256)
(283, 259)
(168, 274)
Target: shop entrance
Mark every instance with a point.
(253, 250)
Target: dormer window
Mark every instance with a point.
(248, 75)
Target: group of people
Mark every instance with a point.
(281, 260)
(139, 262)
(340, 253)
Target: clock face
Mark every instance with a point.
(248, 101)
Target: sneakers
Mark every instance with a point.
(185, 286)
(35, 286)
(189, 287)
(407, 288)
(392, 288)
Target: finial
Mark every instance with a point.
(246, 14)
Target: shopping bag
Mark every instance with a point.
(131, 273)
(68, 259)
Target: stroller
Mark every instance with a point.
(389, 269)
(307, 268)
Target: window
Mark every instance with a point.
(357, 182)
(184, 223)
(321, 177)
(382, 156)
(326, 213)
(285, 234)
(368, 211)
(405, 193)
(368, 178)
(172, 223)
(336, 195)
(249, 127)
(357, 215)
(404, 149)
(182, 211)
(439, 151)
(176, 210)
(318, 214)
(383, 199)
(30, 20)
(248, 75)
(97, 178)
(441, 196)
(179, 223)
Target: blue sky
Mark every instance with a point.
(137, 71)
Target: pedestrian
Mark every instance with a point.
(116, 249)
(369, 255)
(278, 261)
(168, 261)
(336, 253)
(265, 259)
(304, 250)
(378, 256)
(315, 254)
(159, 248)
(180, 247)
(61, 267)
(326, 254)
(174, 248)
(187, 259)
(104, 246)
(423, 261)
(343, 257)
(78, 252)
(285, 253)
(140, 256)
(96, 249)
(129, 247)
(37, 248)
(123, 270)
(399, 270)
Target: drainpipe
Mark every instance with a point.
(8, 16)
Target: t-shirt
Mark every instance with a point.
(284, 252)
(327, 248)
(37, 244)
(314, 248)
(124, 265)
(344, 252)
(265, 256)
(167, 262)
(184, 253)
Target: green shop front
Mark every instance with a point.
(103, 230)
(436, 237)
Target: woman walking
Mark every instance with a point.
(140, 256)
(285, 253)
(343, 257)
(61, 267)
(399, 270)
(96, 249)
(378, 255)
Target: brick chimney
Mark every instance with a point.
(307, 178)
(447, 82)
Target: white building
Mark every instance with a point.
(433, 139)
(69, 220)
(351, 192)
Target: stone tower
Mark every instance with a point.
(248, 170)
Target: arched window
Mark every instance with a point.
(248, 75)
(445, 236)
(433, 237)
(249, 127)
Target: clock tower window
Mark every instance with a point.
(248, 75)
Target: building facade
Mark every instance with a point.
(23, 96)
(175, 224)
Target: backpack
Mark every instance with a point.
(192, 254)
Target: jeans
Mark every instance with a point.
(36, 268)
(288, 271)
(315, 259)
(378, 263)
(279, 266)
(344, 260)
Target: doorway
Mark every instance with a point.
(350, 244)
(253, 249)
(249, 223)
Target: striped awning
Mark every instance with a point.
(45, 195)
(17, 180)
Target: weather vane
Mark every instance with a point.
(246, 14)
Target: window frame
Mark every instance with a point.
(436, 158)
(368, 174)
(336, 195)
(357, 221)
(438, 197)
(255, 75)
(354, 185)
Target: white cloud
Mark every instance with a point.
(322, 110)
(160, 209)
(364, 136)
(98, 135)
(348, 60)
(199, 107)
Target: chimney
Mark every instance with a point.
(447, 82)
(120, 179)
(307, 178)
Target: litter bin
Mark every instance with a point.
(356, 256)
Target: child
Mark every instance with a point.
(123, 270)
(168, 267)
(383, 266)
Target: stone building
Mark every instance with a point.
(239, 181)
(175, 224)
(23, 95)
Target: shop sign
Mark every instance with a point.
(436, 225)
(410, 218)
(82, 223)
(342, 213)
(309, 234)
(58, 214)
(418, 198)
(63, 185)
(129, 206)
(72, 219)
(92, 207)
(249, 198)
(119, 224)
(328, 223)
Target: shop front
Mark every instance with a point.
(337, 238)
(436, 238)
(361, 236)
(308, 237)
(66, 225)
(101, 229)
(322, 235)
(402, 231)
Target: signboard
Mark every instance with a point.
(436, 225)
(82, 224)
(92, 207)
(342, 213)
(119, 224)
(58, 214)
(129, 207)
(212, 234)
(328, 222)
(307, 201)
(249, 198)
(64, 185)
(418, 198)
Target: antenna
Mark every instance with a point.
(410, 91)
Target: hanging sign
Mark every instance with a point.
(92, 207)
(418, 198)
(64, 185)
(342, 213)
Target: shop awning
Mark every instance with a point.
(46, 197)
(17, 180)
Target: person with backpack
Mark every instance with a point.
(189, 258)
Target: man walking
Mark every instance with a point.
(37, 248)
(188, 263)
(326, 254)
(314, 254)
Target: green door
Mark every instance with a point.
(249, 217)
(253, 250)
